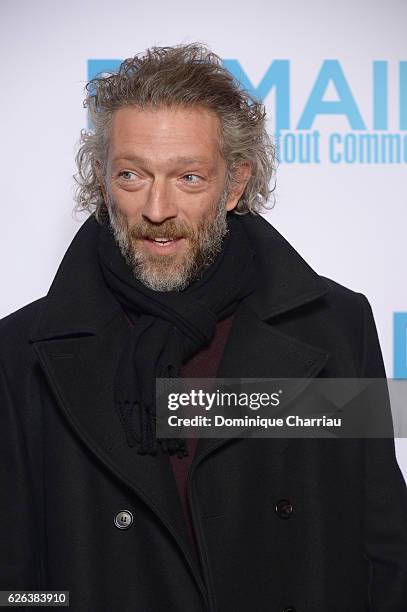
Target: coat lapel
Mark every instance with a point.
(256, 350)
(81, 373)
(81, 331)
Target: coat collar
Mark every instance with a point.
(79, 336)
(79, 302)
(287, 281)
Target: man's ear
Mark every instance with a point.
(241, 177)
(99, 176)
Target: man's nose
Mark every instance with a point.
(159, 205)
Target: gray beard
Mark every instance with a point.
(167, 273)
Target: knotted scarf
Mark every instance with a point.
(169, 327)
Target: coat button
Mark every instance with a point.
(284, 510)
(123, 519)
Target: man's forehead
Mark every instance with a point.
(172, 124)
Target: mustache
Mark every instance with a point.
(169, 229)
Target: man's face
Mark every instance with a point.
(166, 192)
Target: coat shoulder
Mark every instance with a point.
(347, 301)
(342, 294)
(350, 308)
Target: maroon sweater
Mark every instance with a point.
(203, 365)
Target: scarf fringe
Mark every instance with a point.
(139, 427)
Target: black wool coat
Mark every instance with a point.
(66, 470)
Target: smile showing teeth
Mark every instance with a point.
(163, 241)
(166, 245)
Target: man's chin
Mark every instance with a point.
(163, 273)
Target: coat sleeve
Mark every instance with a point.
(19, 529)
(386, 499)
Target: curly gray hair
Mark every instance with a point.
(183, 75)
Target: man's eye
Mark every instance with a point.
(191, 178)
(127, 175)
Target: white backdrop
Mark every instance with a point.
(347, 219)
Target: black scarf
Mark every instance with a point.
(170, 328)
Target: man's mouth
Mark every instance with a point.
(163, 241)
(163, 244)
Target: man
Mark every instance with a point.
(175, 274)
